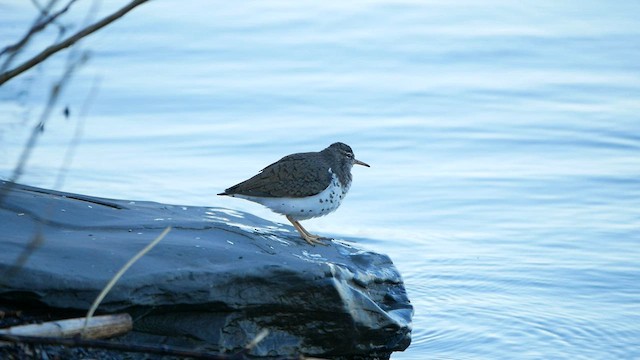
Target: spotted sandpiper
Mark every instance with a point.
(302, 186)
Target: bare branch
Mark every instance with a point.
(46, 53)
(100, 327)
(39, 127)
(44, 10)
(71, 148)
(41, 22)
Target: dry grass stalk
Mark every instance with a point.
(119, 274)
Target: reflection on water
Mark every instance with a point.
(503, 140)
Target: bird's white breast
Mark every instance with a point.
(306, 207)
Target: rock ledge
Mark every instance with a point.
(213, 283)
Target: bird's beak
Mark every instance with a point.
(356, 161)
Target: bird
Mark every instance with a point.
(302, 186)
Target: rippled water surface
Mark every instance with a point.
(504, 139)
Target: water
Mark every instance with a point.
(504, 141)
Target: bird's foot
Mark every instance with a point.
(314, 239)
(307, 236)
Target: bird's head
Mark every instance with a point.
(344, 152)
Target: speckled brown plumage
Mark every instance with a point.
(302, 186)
(296, 175)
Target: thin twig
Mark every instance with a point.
(5, 188)
(261, 335)
(121, 272)
(42, 21)
(71, 148)
(37, 130)
(10, 74)
(44, 10)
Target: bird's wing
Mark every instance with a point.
(297, 175)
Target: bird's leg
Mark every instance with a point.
(307, 236)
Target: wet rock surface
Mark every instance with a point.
(215, 281)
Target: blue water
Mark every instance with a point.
(504, 139)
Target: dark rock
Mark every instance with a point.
(216, 280)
